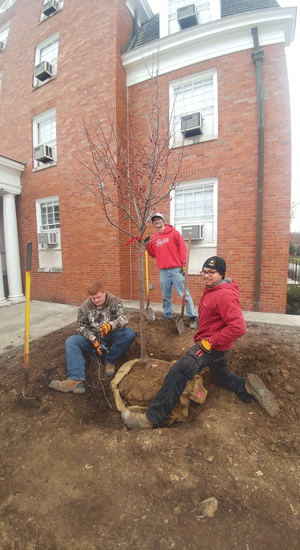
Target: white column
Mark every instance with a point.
(3, 300)
(12, 253)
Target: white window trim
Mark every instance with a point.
(3, 34)
(6, 5)
(60, 7)
(210, 181)
(183, 81)
(53, 143)
(36, 82)
(49, 256)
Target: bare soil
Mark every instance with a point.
(73, 477)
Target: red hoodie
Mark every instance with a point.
(221, 320)
(168, 247)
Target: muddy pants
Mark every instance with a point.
(185, 369)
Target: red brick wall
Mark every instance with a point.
(233, 159)
(91, 81)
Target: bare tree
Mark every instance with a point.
(132, 178)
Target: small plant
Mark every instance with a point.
(293, 300)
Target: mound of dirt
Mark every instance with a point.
(74, 478)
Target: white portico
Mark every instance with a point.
(10, 186)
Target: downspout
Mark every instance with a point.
(257, 57)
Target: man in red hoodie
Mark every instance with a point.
(170, 251)
(221, 322)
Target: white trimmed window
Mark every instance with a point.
(3, 36)
(46, 60)
(194, 109)
(194, 209)
(44, 139)
(51, 7)
(6, 5)
(48, 233)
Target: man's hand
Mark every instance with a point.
(184, 270)
(146, 240)
(204, 347)
(104, 329)
(97, 346)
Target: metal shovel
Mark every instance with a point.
(149, 313)
(23, 397)
(179, 321)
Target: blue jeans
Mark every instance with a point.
(175, 277)
(185, 369)
(118, 342)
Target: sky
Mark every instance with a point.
(292, 55)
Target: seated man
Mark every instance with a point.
(221, 322)
(101, 327)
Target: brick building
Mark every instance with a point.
(221, 71)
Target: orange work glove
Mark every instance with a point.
(97, 346)
(204, 346)
(104, 329)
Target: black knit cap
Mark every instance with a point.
(215, 262)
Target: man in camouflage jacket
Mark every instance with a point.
(101, 328)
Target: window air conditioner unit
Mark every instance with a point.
(53, 238)
(187, 16)
(42, 238)
(50, 7)
(43, 153)
(1, 46)
(192, 125)
(47, 238)
(43, 71)
(196, 230)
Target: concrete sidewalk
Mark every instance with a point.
(46, 317)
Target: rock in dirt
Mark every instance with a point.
(208, 507)
(288, 388)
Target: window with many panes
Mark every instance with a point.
(44, 138)
(48, 230)
(194, 205)
(46, 60)
(194, 98)
(49, 215)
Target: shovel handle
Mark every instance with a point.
(27, 304)
(147, 273)
(186, 273)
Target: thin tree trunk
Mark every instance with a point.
(144, 357)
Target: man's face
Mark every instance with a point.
(98, 299)
(158, 224)
(210, 276)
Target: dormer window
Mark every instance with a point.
(187, 16)
(184, 14)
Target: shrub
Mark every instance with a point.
(293, 300)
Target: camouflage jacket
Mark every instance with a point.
(90, 318)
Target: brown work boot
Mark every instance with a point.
(109, 370)
(65, 386)
(255, 386)
(136, 420)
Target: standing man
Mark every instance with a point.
(101, 328)
(170, 251)
(221, 322)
